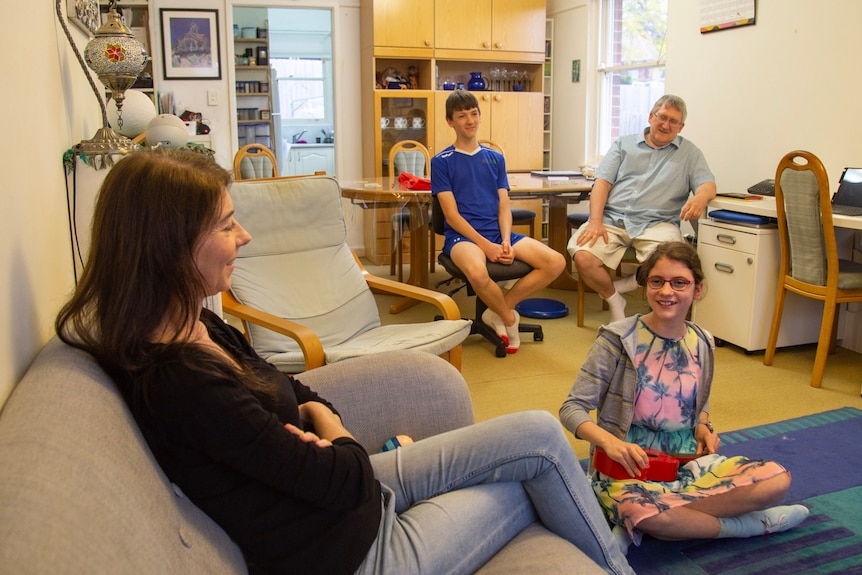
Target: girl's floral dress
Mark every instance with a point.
(664, 419)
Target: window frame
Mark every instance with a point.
(608, 98)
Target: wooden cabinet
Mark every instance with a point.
(511, 122)
(509, 119)
(401, 115)
(253, 92)
(490, 25)
(403, 23)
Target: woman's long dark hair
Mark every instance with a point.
(153, 209)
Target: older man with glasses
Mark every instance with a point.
(644, 186)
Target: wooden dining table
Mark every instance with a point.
(560, 191)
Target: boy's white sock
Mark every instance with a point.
(772, 520)
(514, 335)
(617, 305)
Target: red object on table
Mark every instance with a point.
(411, 182)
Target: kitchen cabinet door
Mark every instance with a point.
(463, 25)
(515, 124)
(510, 25)
(404, 23)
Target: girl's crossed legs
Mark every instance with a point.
(453, 500)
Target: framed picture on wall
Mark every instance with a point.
(85, 14)
(190, 44)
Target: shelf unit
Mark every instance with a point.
(135, 14)
(548, 104)
(253, 91)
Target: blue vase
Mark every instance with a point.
(477, 82)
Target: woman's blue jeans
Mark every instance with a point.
(452, 501)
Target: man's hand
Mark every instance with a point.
(693, 208)
(589, 235)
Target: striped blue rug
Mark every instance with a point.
(823, 452)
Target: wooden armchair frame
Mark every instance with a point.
(308, 340)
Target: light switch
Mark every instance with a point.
(212, 97)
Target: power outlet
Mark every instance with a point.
(212, 97)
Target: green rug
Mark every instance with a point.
(823, 453)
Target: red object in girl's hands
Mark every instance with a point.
(661, 466)
(410, 182)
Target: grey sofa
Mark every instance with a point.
(80, 491)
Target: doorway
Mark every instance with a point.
(301, 84)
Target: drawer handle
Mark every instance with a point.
(726, 239)
(722, 267)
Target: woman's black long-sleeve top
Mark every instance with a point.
(291, 506)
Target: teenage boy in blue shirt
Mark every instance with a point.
(470, 182)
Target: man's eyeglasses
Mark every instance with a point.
(674, 123)
(676, 284)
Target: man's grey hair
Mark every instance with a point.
(671, 101)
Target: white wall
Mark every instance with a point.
(570, 117)
(754, 93)
(42, 118)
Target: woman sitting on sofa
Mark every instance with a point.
(262, 454)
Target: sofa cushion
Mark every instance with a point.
(537, 550)
(79, 489)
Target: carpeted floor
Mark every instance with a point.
(822, 453)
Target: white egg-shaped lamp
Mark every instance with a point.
(167, 130)
(138, 110)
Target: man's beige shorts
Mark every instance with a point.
(611, 253)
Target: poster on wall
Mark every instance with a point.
(190, 44)
(718, 15)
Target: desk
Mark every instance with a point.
(377, 192)
(766, 207)
(742, 280)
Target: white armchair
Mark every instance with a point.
(304, 298)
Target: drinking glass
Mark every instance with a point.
(504, 77)
(495, 76)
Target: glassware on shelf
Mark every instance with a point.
(495, 76)
(504, 79)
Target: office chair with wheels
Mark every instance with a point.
(414, 158)
(254, 161)
(498, 273)
(810, 265)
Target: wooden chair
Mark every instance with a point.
(573, 222)
(414, 158)
(810, 266)
(254, 161)
(520, 216)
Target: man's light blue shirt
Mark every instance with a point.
(649, 185)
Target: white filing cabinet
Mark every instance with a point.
(741, 268)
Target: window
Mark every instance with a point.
(300, 88)
(632, 67)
